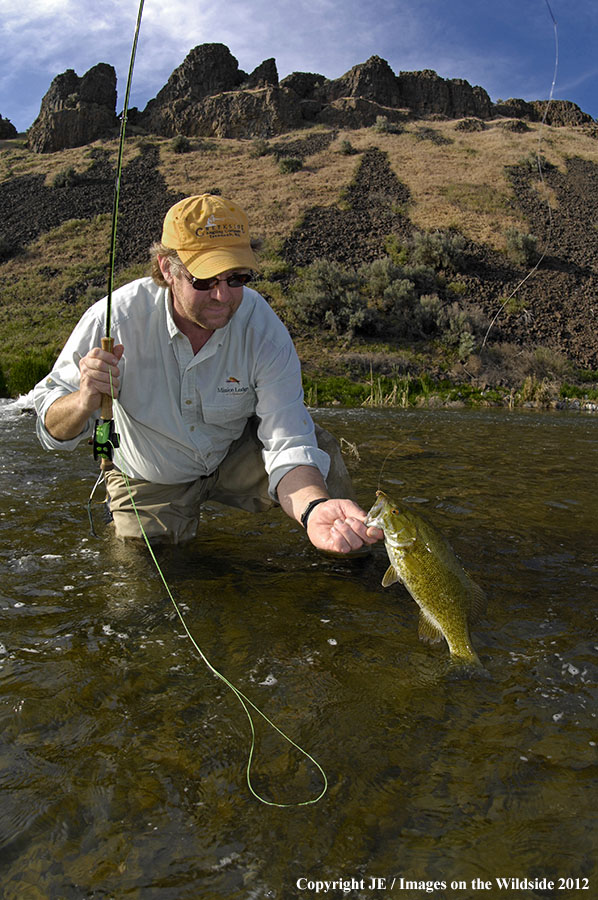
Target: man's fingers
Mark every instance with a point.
(349, 539)
(365, 533)
(99, 372)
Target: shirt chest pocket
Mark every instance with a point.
(229, 409)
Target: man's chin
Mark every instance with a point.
(213, 323)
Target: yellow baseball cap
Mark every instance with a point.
(210, 235)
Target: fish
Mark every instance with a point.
(423, 560)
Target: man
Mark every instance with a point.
(207, 388)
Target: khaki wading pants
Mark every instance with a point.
(170, 512)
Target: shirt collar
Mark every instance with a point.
(170, 323)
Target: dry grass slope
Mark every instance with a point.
(456, 179)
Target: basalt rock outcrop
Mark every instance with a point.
(76, 110)
(557, 112)
(209, 95)
(7, 129)
(428, 94)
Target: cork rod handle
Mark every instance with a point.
(106, 408)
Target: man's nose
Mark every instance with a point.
(221, 291)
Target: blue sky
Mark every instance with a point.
(505, 46)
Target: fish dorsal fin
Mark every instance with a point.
(390, 577)
(428, 631)
(478, 603)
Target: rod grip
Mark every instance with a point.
(106, 407)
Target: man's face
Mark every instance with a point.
(210, 309)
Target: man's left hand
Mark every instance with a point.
(338, 526)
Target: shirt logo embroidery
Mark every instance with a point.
(232, 385)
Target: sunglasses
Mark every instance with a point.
(237, 279)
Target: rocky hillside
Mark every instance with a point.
(555, 303)
(389, 156)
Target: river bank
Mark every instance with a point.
(421, 393)
(414, 393)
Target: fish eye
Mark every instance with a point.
(395, 512)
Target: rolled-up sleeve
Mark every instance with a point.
(286, 428)
(65, 379)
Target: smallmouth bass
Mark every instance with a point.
(423, 560)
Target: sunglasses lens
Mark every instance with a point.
(238, 279)
(234, 281)
(202, 284)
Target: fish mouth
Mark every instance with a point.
(375, 513)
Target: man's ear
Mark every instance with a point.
(164, 264)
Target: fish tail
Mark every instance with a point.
(466, 666)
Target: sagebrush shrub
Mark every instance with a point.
(327, 295)
(347, 148)
(259, 147)
(181, 144)
(289, 164)
(522, 248)
(440, 250)
(65, 178)
(382, 298)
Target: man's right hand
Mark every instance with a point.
(99, 375)
(67, 417)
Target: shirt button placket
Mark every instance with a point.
(186, 396)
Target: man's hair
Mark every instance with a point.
(176, 266)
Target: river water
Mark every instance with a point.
(122, 756)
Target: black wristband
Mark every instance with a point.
(307, 511)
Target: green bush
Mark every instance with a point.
(574, 392)
(430, 314)
(347, 148)
(66, 178)
(441, 250)
(382, 298)
(397, 251)
(395, 296)
(27, 371)
(534, 162)
(327, 295)
(460, 328)
(259, 147)
(521, 248)
(289, 164)
(586, 375)
(456, 288)
(378, 275)
(424, 278)
(383, 125)
(180, 144)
